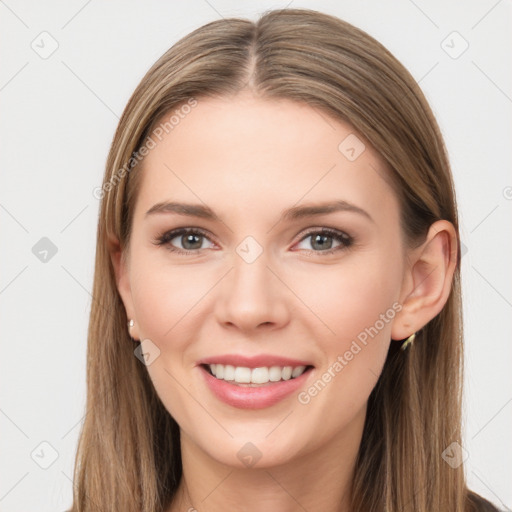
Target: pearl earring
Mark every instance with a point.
(131, 323)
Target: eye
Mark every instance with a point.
(190, 239)
(322, 241)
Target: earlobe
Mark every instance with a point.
(428, 282)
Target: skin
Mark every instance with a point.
(249, 159)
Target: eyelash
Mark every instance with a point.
(346, 241)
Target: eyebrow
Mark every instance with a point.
(294, 213)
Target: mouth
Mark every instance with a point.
(254, 382)
(255, 377)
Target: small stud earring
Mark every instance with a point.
(130, 324)
(408, 341)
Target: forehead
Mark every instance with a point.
(261, 155)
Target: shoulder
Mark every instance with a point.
(476, 503)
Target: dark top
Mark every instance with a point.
(480, 504)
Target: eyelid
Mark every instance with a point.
(324, 229)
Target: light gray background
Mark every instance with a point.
(58, 116)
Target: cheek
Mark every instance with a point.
(165, 301)
(361, 311)
(166, 297)
(352, 296)
(357, 302)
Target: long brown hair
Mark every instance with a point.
(128, 456)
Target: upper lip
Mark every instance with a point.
(256, 361)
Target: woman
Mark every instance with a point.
(277, 316)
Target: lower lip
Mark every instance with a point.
(245, 397)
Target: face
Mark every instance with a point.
(282, 280)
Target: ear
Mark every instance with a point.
(120, 262)
(428, 280)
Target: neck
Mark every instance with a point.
(319, 480)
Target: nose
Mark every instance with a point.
(252, 296)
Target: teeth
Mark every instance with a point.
(259, 375)
(275, 373)
(287, 373)
(262, 375)
(297, 371)
(229, 372)
(243, 375)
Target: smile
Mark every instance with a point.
(254, 382)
